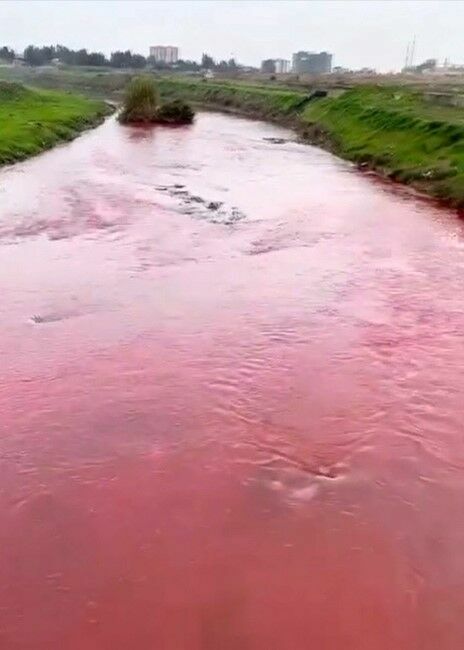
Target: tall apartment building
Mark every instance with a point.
(164, 53)
(312, 62)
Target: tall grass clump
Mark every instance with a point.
(142, 105)
(141, 101)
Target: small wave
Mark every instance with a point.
(53, 317)
(200, 208)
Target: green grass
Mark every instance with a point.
(32, 120)
(399, 134)
(253, 100)
(99, 84)
(393, 130)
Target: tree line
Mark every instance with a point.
(6, 54)
(208, 63)
(37, 56)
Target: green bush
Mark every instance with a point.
(141, 105)
(175, 112)
(10, 91)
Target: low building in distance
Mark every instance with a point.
(268, 66)
(278, 66)
(164, 53)
(282, 66)
(312, 62)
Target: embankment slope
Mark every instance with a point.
(393, 131)
(34, 120)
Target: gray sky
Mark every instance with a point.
(370, 33)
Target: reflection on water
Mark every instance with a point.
(138, 133)
(231, 399)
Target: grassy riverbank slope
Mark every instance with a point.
(394, 131)
(264, 102)
(32, 120)
(404, 133)
(397, 133)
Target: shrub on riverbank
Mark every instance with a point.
(32, 120)
(175, 112)
(142, 105)
(12, 90)
(141, 101)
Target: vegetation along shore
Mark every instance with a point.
(400, 132)
(34, 120)
(397, 132)
(142, 105)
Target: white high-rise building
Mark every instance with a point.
(164, 53)
(281, 66)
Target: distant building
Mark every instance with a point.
(367, 72)
(312, 62)
(282, 66)
(429, 65)
(268, 66)
(279, 66)
(164, 53)
(447, 69)
(338, 69)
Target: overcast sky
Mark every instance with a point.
(371, 33)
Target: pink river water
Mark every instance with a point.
(231, 397)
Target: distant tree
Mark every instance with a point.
(127, 60)
(39, 55)
(187, 66)
(48, 53)
(65, 55)
(120, 59)
(6, 54)
(79, 57)
(97, 59)
(207, 62)
(138, 61)
(153, 63)
(44, 55)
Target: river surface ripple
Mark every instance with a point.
(231, 397)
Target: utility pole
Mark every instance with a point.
(406, 60)
(412, 50)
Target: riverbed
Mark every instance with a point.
(231, 398)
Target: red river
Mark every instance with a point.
(231, 397)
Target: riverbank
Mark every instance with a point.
(399, 132)
(393, 131)
(36, 120)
